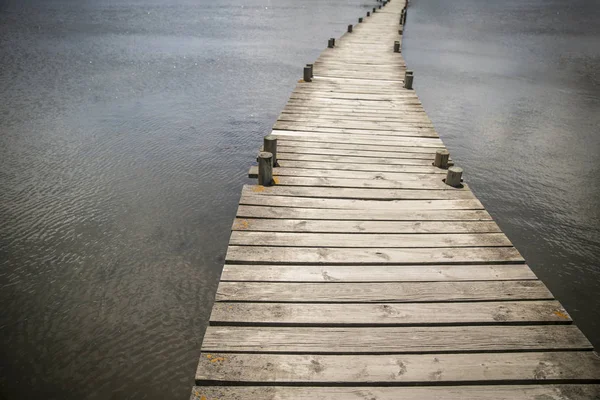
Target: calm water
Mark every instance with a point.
(126, 128)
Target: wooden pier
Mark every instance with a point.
(360, 273)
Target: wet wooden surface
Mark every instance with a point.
(361, 275)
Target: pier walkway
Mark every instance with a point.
(361, 274)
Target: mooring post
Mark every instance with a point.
(312, 73)
(374, 10)
(380, 7)
(441, 159)
(270, 146)
(454, 176)
(408, 79)
(397, 46)
(368, 14)
(265, 168)
(360, 20)
(349, 28)
(331, 43)
(307, 74)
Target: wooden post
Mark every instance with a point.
(265, 168)
(380, 7)
(270, 146)
(396, 46)
(368, 14)
(359, 20)
(331, 43)
(312, 73)
(441, 159)
(408, 79)
(349, 28)
(453, 177)
(374, 8)
(307, 74)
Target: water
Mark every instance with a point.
(513, 88)
(126, 129)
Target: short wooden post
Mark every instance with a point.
(312, 73)
(374, 8)
(397, 46)
(360, 20)
(368, 14)
(408, 79)
(441, 159)
(270, 146)
(307, 74)
(379, 7)
(454, 176)
(265, 168)
(349, 28)
(331, 43)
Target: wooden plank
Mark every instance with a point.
(297, 225)
(382, 292)
(352, 159)
(478, 392)
(259, 211)
(284, 148)
(530, 367)
(421, 314)
(402, 169)
(375, 256)
(292, 143)
(397, 132)
(357, 175)
(366, 240)
(364, 138)
(357, 198)
(397, 340)
(395, 273)
(429, 183)
(372, 126)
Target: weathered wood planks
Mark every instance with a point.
(382, 292)
(394, 273)
(396, 340)
(478, 392)
(393, 314)
(533, 367)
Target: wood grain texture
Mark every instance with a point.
(304, 225)
(364, 240)
(394, 273)
(445, 199)
(476, 392)
(306, 314)
(373, 256)
(530, 367)
(382, 292)
(397, 340)
(358, 214)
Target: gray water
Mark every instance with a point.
(126, 129)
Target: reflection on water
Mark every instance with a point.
(513, 88)
(126, 129)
